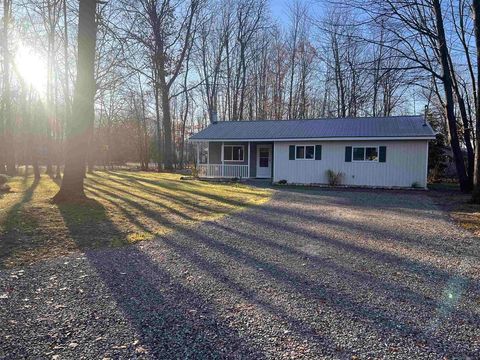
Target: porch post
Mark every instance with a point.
(222, 171)
(198, 155)
(208, 159)
(248, 162)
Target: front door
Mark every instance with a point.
(264, 161)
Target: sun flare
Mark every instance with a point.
(32, 68)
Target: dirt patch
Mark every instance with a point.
(458, 206)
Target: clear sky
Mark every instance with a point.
(280, 9)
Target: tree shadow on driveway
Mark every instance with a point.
(247, 286)
(171, 320)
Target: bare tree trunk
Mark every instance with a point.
(66, 114)
(66, 67)
(144, 134)
(8, 131)
(467, 131)
(83, 106)
(184, 121)
(376, 72)
(91, 146)
(476, 179)
(157, 123)
(50, 25)
(167, 124)
(293, 58)
(449, 101)
(341, 108)
(228, 81)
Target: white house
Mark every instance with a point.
(375, 151)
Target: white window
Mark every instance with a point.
(233, 152)
(366, 153)
(305, 152)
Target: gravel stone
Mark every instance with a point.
(314, 274)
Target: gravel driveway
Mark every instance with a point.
(310, 274)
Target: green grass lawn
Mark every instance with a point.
(126, 207)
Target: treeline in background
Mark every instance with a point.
(166, 69)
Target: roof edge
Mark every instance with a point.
(353, 138)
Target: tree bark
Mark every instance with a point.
(476, 176)
(449, 100)
(467, 129)
(83, 107)
(66, 88)
(8, 131)
(166, 121)
(158, 131)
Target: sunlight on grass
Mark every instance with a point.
(125, 207)
(468, 216)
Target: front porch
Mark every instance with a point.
(243, 160)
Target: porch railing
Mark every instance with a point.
(222, 171)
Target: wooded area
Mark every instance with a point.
(132, 79)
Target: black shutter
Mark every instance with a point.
(382, 157)
(318, 152)
(348, 154)
(291, 152)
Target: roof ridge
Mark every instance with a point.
(320, 119)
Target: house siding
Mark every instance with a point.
(406, 163)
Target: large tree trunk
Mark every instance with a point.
(167, 128)
(467, 129)
(449, 101)
(66, 90)
(91, 146)
(158, 129)
(164, 92)
(50, 133)
(467, 132)
(83, 107)
(476, 177)
(8, 131)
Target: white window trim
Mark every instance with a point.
(305, 152)
(243, 153)
(365, 154)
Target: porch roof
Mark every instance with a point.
(392, 127)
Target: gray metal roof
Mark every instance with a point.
(367, 127)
